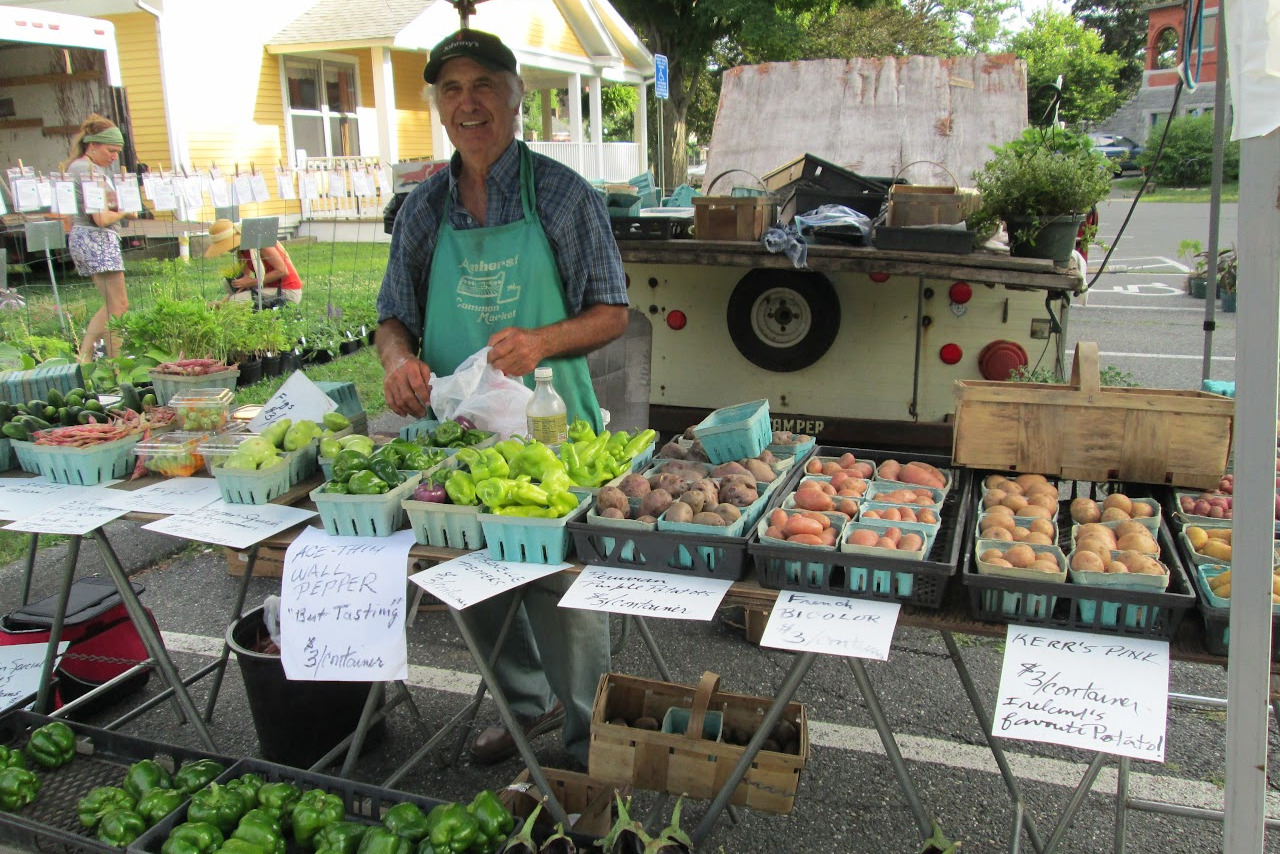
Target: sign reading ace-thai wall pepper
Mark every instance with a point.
(342, 607)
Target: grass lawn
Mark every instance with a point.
(341, 281)
(1127, 187)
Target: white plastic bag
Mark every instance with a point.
(481, 392)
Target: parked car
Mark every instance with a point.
(1122, 150)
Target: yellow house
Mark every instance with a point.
(328, 86)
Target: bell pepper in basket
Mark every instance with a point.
(342, 837)
(314, 810)
(11, 757)
(197, 774)
(158, 803)
(453, 829)
(248, 786)
(52, 745)
(496, 821)
(192, 837)
(18, 787)
(379, 840)
(120, 827)
(259, 828)
(145, 775)
(347, 463)
(218, 805)
(407, 820)
(278, 798)
(367, 483)
(461, 488)
(101, 800)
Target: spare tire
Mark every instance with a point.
(783, 320)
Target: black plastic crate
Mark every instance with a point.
(709, 556)
(862, 576)
(1104, 610)
(802, 197)
(950, 241)
(365, 802)
(650, 227)
(102, 757)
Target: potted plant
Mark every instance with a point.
(1197, 278)
(1042, 184)
(1227, 279)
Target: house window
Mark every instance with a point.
(1166, 48)
(322, 106)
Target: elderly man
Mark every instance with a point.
(509, 249)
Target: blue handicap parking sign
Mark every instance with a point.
(661, 76)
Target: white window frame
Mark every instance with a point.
(324, 112)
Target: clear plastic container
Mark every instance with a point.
(175, 454)
(201, 410)
(546, 412)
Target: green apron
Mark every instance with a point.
(486, 279)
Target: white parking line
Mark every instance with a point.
(1054, 772)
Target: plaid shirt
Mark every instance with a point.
(573, 216)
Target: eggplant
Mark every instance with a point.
(465, 423)
(433, 493)
(522, 842)
(558, 843)
(672, 840)
(627, 836)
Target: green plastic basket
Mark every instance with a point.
(343, 394)
(735, 432)
(7, 458)
(253, 486)
(84, 466)
(364, 515)
(24, 457)
(21, 386)
(450, 526)
(166, 386)
(530, 540)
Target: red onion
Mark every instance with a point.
(427, 492)
(465, 423)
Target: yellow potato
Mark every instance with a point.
(1220, 579)
(1216, 549)
(1196, 536)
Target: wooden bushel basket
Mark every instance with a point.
(680, 763)
(1083, 431)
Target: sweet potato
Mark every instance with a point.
(807, 540)
(889, 470)
(812, 499)
(922, 474)
(611, 497)
(801, 524)
(634, 485)
(655, 503)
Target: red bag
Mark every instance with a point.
(103, 642)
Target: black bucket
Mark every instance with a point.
(297, 721)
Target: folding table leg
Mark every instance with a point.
(652, 646)
(799, 669)
(1077, 798)
(1122, 804)
(33, 545)
(993, 743)
(150, 637)
(371, 703)
(923, 820)
(219, 667)
(509, 719)
(43, 700)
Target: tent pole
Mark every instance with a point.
(1215, 193)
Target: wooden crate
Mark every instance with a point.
(930, 205)
(590, 800)
(732, 217)
(677, 763)
(1083, 431)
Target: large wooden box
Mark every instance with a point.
(680, 763)
(1083, 431)
(732, 217)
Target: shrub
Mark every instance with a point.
(1187, 160)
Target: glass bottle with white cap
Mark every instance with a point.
(546, 413)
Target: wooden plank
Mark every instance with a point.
(60, 130)
(14, 124)
(46, 79)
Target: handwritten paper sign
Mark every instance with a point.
(474, 577)
(20, 667)
(1097, 692)
(832, 625)
(175, 495)
(298, 398)
(236, 526)
(21, 497)
(76, 517)
(646, 594)
(342, 607)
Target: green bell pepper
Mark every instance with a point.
(475, 437)
(347, 463)
(495, 492)
(342, 837)
(337, 487)
(11, 757)
(445, 433)
(240, 846)
(392, 451)
(416, 459)
(158, 803)
(387, 469)
(278, 798)
(379, 840)
(580, 431)
(18, 787)
(192, 837)
(262, 832)
(248, 786)
(314, 810)
(120, 827)
(496, 821)
(52, 745)
(218, 805)
(407, 820)
(366, 482)
(454, 829)
(196, 774)
(145, 775)
(100, 801)
(461, 488)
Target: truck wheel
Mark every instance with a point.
(783, 320)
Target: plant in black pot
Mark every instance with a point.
(1042, 184)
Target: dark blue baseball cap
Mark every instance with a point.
(485, 48)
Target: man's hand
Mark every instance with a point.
(516, 351)
(407, 387)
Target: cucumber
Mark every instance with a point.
(148, 399)
(32, 423)
(93, 405)
(35, 406)
(64, 417)
(54, 398)
(129, 397)
(14, 430)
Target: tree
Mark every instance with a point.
(1056, 44)
(687, 32)
(1123, 27)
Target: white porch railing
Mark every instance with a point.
(361, 194)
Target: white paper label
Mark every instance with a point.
(474, 577)
(646, 594)
(833, 625)
(236, 526)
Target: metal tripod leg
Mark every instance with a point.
(151, 638)
(993, 744)
(43, 704)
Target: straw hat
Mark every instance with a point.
(224, 236)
